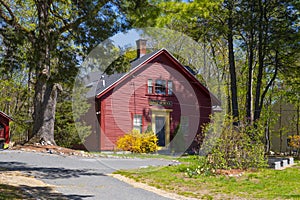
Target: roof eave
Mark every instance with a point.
(6, 116)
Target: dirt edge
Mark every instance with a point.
(150, 188)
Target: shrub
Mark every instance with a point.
(236, 148)
(295, 142)
(137, 142)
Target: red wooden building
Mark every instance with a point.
(4, 127)
(158, 93)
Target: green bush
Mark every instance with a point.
(235, 148)
(137, 142)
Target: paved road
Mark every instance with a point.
(77, 177)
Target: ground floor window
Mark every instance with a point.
(137, 122)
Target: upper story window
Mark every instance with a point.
(150, 86)
(160, 86)
(170, 87)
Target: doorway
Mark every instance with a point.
(161, 125)
(160, 131)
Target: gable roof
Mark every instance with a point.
(6, 116)
(101, 83)
(110, 80)
(138, 61)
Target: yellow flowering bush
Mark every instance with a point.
(295, 142)
(137, 142)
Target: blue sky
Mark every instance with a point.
(126, 39)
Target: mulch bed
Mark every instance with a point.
(51, 149)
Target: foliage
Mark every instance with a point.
(263, 51)
(235, 148)
(122, 63)
(69, 130)
(295, 142)
(14, 96)
(137, 142)
(49, 39)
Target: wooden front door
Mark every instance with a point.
(160, 131)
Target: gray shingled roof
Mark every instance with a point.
(108, 80)
(135, 63)
(98, 82)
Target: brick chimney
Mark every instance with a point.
(141, 47)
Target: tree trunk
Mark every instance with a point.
(249, 85)
(280, 125)
(257, 108)
(44, 112)
(267, 127)
(45, 97)
(249, 100)
(298, 119)
(233, 86)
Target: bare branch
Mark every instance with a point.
(271, 81)
(8, 9)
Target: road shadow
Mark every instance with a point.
(33, 193)
(47, 172)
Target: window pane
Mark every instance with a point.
(160, 86)
(170, 87)
(137, 122)
(150, 87)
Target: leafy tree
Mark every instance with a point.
(69, 130)
(56, 35)
(255, 45)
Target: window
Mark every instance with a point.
(150, 86)
(170, 87)
(160, 86)
(137, 122)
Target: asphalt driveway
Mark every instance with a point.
(78, 177)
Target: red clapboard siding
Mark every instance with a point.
(117, 105)
(130, 97)
(4, 132)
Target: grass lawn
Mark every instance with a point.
(11, 192)
(261, 184)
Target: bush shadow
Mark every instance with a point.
(32, 193)
(47, 172)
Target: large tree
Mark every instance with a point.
(57, 35)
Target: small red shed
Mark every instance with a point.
(4, 127)
(158, 93)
